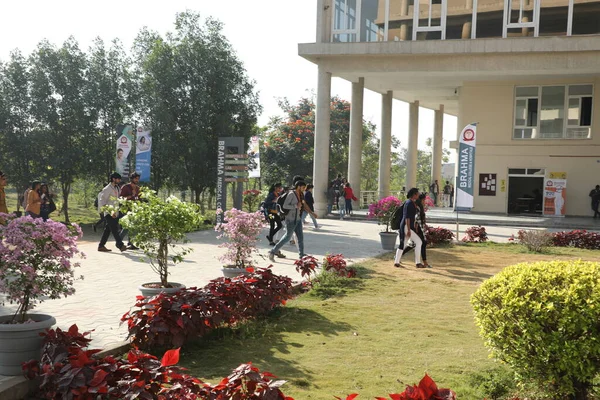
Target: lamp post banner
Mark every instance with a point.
(465, 184)
(124, 149)
(143, 153)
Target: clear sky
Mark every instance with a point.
(265, 34)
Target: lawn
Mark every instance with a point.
(393, 327)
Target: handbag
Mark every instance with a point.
(51, 206)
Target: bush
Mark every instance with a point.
(336, 263)
(542, 319)
(438, 235)
(535, 240)
(172, 319)
(69, 371)
(475, 234)
(580, 239)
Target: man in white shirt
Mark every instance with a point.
(110, 196)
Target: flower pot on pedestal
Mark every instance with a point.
(153, 288)
(22, 342)
(388, 240)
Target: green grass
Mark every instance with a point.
(375, 336)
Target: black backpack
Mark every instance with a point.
(280, 201)
(397, 217)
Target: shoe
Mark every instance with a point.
(292, 242)
(131, 246)
(419, 265)
(428, 266)
(280, 255)
(271, 243)
(271, 257)
(397, 265)
(318, 227)
(122, 248)
(104, 249)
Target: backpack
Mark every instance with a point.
(447, 189)
(280, 201)
(397, 217)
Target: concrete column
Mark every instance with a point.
(356, 133)
(403, 24)
(385, 145)
(438, 138)
(413, 142)
(322, 143)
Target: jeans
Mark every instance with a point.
(291, 227)
(348, 206)
(314, 220)
(112, 226)
(274, 219)
(329, 208)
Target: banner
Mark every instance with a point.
(555, 196)
(254, 158)
(143, 154)
(124, 147)
(465, 181)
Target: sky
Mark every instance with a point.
(264, 33)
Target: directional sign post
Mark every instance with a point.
(232, 167)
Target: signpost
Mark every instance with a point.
(232, 166)
(465, 181)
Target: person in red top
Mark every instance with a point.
(349, 196)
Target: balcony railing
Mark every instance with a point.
(398, 20)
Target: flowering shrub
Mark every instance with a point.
(475, 234)
(428, 203)
(251, 198)
(35, 261)
(337, 264)
(172, 319)
(438, 235)
(383, 210)
(580, 239)
(69, 371)
(306, 266)
(242, 230)
(157, 225)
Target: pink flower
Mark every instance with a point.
(242, 229)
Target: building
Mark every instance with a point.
(526, 71)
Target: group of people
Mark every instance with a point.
(412, 230)
(37, 201)
(287, 208)
(446, 198)
(340, 193)
(109, 196)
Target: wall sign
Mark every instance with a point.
(487, 184)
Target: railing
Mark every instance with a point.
(371, 196)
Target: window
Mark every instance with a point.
(553, 112)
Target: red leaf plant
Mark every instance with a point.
(337, 264)
(306, 266)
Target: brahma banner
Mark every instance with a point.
(465, 181)
(143, 154)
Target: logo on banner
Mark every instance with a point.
(469, 135)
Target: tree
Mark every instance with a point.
(62, 121)
(288, 144)
(195, 90)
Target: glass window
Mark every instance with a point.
(372, 16)
(579, 90)
(554, 17)
(517, 171)
(552, 117)
(586, 17)
(527, 91)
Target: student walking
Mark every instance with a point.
(110, 196)
(47, 206)
(421, 225)
(130, 191)
(348, 197)
(271, 212)
(408, 226)
(595, 196)
(447, 195)
(310, 202)
(293, 206)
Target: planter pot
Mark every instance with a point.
(229, 272)
(388, 240)
(20, 343)
(153, 291)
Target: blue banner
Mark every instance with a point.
(143, 154)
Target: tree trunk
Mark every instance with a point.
(163, 259)
(202, 204)
(581, 391)
(66, 189)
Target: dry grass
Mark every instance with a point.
(400, 324)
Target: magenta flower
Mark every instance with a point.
(242, 229)
(383, 210)
(35, 260)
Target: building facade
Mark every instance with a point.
(527, 71)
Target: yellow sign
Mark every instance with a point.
(558, 175)
(503, 185)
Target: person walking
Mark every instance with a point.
(310, 202)
(110, 196)
(293, 206)
(271, 212)
(47, 206)
(421, 224)
(330, 198)
(595, 195)
(348, 197)
(408, 226)
(451, 196)
(3, 206)
(434, 189)
(130, 191)
(34, 200)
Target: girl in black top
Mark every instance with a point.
(272, 213)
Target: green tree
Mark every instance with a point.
(195, 90)
(61, 118)
(289, 142)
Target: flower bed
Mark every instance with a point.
(438, 235)
(475, 234)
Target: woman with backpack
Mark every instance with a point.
(272, 213)
(421, 228)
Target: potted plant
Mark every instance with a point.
(242, 231)
(157, 227)
(382, 210)
(35, 264)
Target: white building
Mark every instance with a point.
(527, 71)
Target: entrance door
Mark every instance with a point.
(525, 191)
